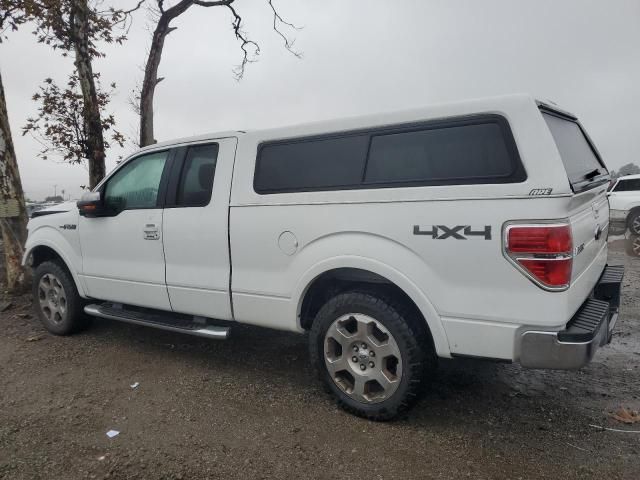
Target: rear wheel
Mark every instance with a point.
(634, 223)
(57, 302)
(371, 353)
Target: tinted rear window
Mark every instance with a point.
(470, 151)
(455, 152)
(311, 164)
(577, 154)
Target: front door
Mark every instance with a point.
(122, 254)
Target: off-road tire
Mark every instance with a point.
(410, 334)
(72, 317)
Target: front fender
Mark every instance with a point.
(65, 245)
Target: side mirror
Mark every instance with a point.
(90, 205)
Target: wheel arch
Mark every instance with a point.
(633, 211)
(41, 249)
(346, 273)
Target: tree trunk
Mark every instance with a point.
(13, 213)
(91, 108)
(151, 79)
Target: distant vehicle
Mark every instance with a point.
(624, 204)
(476, 229)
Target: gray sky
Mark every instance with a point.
(359, 57)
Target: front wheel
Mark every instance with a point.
(372, 353)
(56, 299)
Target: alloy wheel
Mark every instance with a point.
(52, 298)
(362, 358)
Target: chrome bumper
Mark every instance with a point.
(590, 328)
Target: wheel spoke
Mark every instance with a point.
(337, 365)
(62, 305)
(387, 350)
(42, 298)
(339, 335)
(385, 381)
(358, 392)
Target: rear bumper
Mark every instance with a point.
(589, 329)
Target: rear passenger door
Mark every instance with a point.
(195, 228)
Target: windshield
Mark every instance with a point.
(580, 160)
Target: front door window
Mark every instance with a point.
(136, 185)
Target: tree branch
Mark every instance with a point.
(288, 44)
(245, 43)
(128, 12)
(219, 3)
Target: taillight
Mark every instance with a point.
(542, 252)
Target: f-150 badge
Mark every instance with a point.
(459, 232)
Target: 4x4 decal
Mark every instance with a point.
(459, 232)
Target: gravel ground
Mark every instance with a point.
(248, 408)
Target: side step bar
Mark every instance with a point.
(160, 320)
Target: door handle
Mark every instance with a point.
(151, 232)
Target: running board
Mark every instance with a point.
(160, 320)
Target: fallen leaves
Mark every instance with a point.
(4, 306)
(626, 416)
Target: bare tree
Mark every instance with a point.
(13, 213)
(250, 50)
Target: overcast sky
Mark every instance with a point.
(359, 57)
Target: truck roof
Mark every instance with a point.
(630, 177)
(433, 111)
(192, 139)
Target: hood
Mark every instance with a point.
(57, 208)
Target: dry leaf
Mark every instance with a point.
(626, 416)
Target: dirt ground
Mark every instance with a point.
(249, 408)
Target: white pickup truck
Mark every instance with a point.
(624, 199)
(475, 229)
